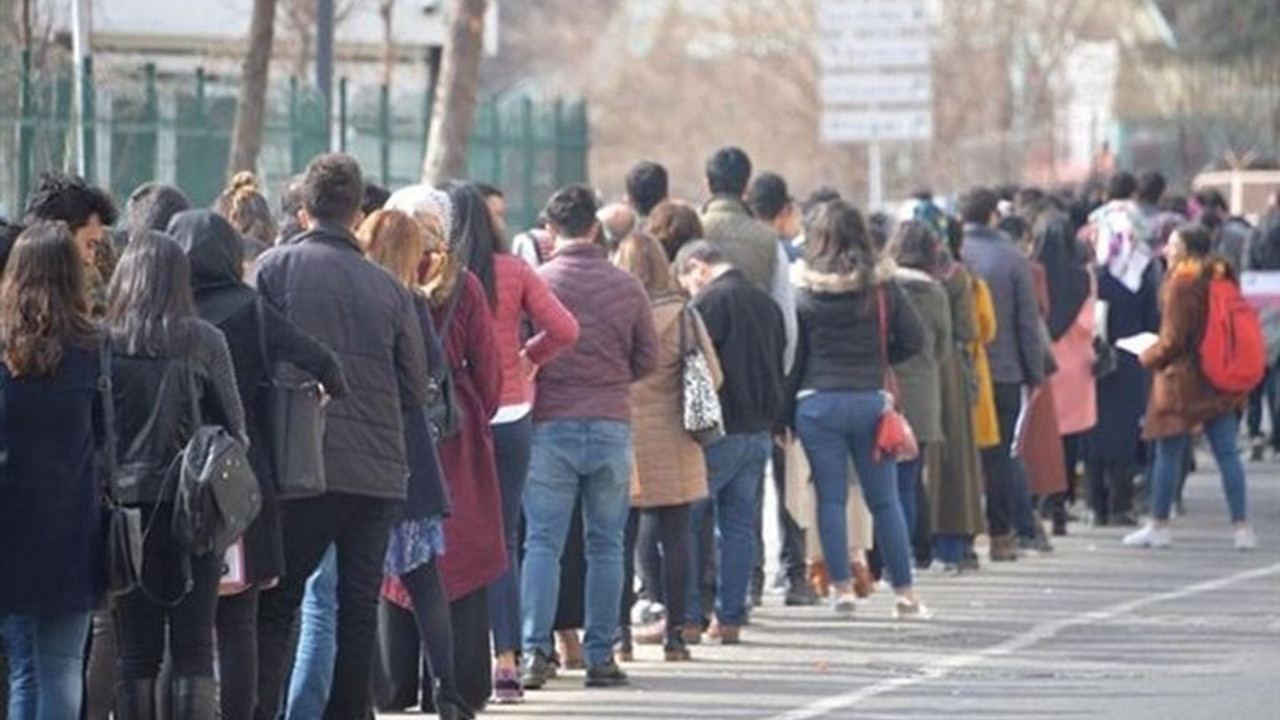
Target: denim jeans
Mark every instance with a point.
(735, 476)
(572, 458)
(834, 426)
(1221, 432)
(511, 444)
(317, 642)
(46, 664)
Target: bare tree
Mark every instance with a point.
(246, 137)
(455, 108)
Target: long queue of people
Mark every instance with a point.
(539, 452)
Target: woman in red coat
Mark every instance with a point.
(461, 294)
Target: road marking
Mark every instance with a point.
(940, 668)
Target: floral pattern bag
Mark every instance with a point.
(702, 413)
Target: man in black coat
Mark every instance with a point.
(321, 281)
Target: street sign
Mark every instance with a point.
(878, 89)
(874, 125)
(890, 15)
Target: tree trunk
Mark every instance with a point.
(455, 108)
(246, 137)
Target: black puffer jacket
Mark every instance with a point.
(840, 346)
(217, 256)
(321, 282)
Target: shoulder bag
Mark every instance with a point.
(444, 415)
(121, 526)
(701, 410)
(895, 440)
(293, 414)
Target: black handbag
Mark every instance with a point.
(121, 526)
(444, 415)
(294, 417)
(217, 495)
(1104, 358)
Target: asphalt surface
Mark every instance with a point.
(1094, 630)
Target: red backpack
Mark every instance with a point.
(1233, 353)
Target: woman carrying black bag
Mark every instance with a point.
(162, 352)
(216, 253)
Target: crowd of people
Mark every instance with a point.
(542, 449)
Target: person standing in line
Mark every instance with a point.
(955, 470)
(397, 242)
(582, 444)
(853, 319)
(746, 329)
(1071, 320)
(674, 223)
(216, 253)
(321, 281)
(917, 251)
(1016, 355)
(521, 293)
(1182, 398)
(752, 247)
(88, 211)
(770, 200)
(671, 472)
(50, 540)
(161, 354)
(647, 187)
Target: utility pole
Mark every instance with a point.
(81, 29)
(324, 61)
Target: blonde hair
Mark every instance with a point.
(395, 241)
(246, 208)
(642, 256)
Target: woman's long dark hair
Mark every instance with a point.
(1066, 266)
(151, 304)
(838, 242)
(43, 307)
(472, 239)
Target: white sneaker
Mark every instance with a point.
(1246, 540)
(904, 610)
(1149, 536)
(845, 603)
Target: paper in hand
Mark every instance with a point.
(1138, 344)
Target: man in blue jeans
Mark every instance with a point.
(746, 328)
(582, 439)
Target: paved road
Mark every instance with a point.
(1093, 631)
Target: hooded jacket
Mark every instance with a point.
(840, 345)
(222, 299)
(322, 282)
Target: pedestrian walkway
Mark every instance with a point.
(1092, 631)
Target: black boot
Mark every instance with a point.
(136, 700)
(449, 706)
(194, 698)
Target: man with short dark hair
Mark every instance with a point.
(323, 283)
(746, 328)
(582, 439)
(647, 185)
(1016, 355)
(88, 212)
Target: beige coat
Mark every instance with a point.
(669, 467)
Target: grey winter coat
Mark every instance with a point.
(1017, 354)
(322, 282)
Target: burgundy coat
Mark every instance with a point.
(475, 554)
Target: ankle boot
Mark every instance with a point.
(194, 698)
(449, 706)
(136, 700)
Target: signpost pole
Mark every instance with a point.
(875, 176)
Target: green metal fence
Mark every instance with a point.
(144, 125)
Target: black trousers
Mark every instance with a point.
(359, 527)
(174, 613)
(472, 660)
(237, 630)
(1110, 487)
(668, 529)
(997, 463)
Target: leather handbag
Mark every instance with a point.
(895, 440)
(294, 418)
(121, 526)
(702, 413)
(217, 495)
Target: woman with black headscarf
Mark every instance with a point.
(1072, 298)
